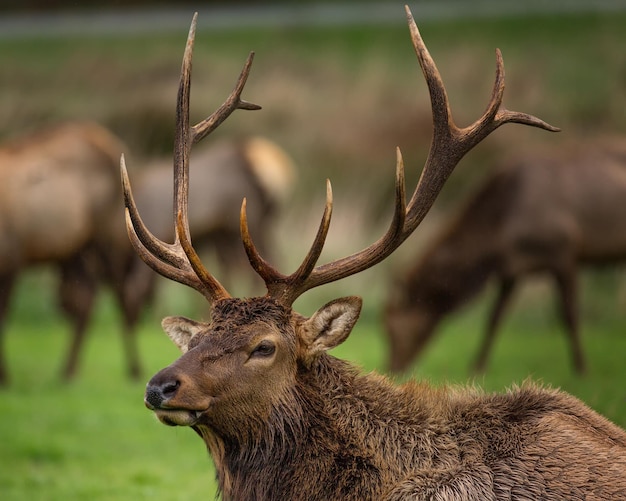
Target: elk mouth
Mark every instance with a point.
(176, 417)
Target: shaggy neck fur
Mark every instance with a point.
(340, 435)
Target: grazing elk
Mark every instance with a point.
(546, 212)
(283, 419)
(60, 188)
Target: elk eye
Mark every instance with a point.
(264, 349)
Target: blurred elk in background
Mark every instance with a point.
(549, 212)
(59, 193)
(62, 206)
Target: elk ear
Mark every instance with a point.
(181, 330)
(331, 324)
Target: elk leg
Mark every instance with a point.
(129, 338)
(133, 294)
(502, 300)
(6, 287)
(77, 291)
(568, 291)
(131, 283)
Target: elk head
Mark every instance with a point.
(242, 365)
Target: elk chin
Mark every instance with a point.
(178, 417)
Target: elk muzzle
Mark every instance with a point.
(162, 396)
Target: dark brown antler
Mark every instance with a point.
(179, 261)
(449, 144)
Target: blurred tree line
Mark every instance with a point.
(52, 5)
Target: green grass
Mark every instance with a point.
(92, 438)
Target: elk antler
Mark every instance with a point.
(449, 144)
(179, 261)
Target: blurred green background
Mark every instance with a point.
(339, 98)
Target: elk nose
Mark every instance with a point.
(157, 393)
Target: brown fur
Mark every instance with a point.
(304, 425)
(547, 212)
(60, 188)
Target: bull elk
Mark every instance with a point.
(548, 212)
(283, 419)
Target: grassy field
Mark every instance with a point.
(339, 100)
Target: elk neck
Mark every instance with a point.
(328, 431)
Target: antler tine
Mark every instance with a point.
(281, 287)
(234, 102)
(166, 259)
(162, 257)
(179, 261)
(260, 265)
(305, 269)
(183, 142)
(449, 144)
(186, 136)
